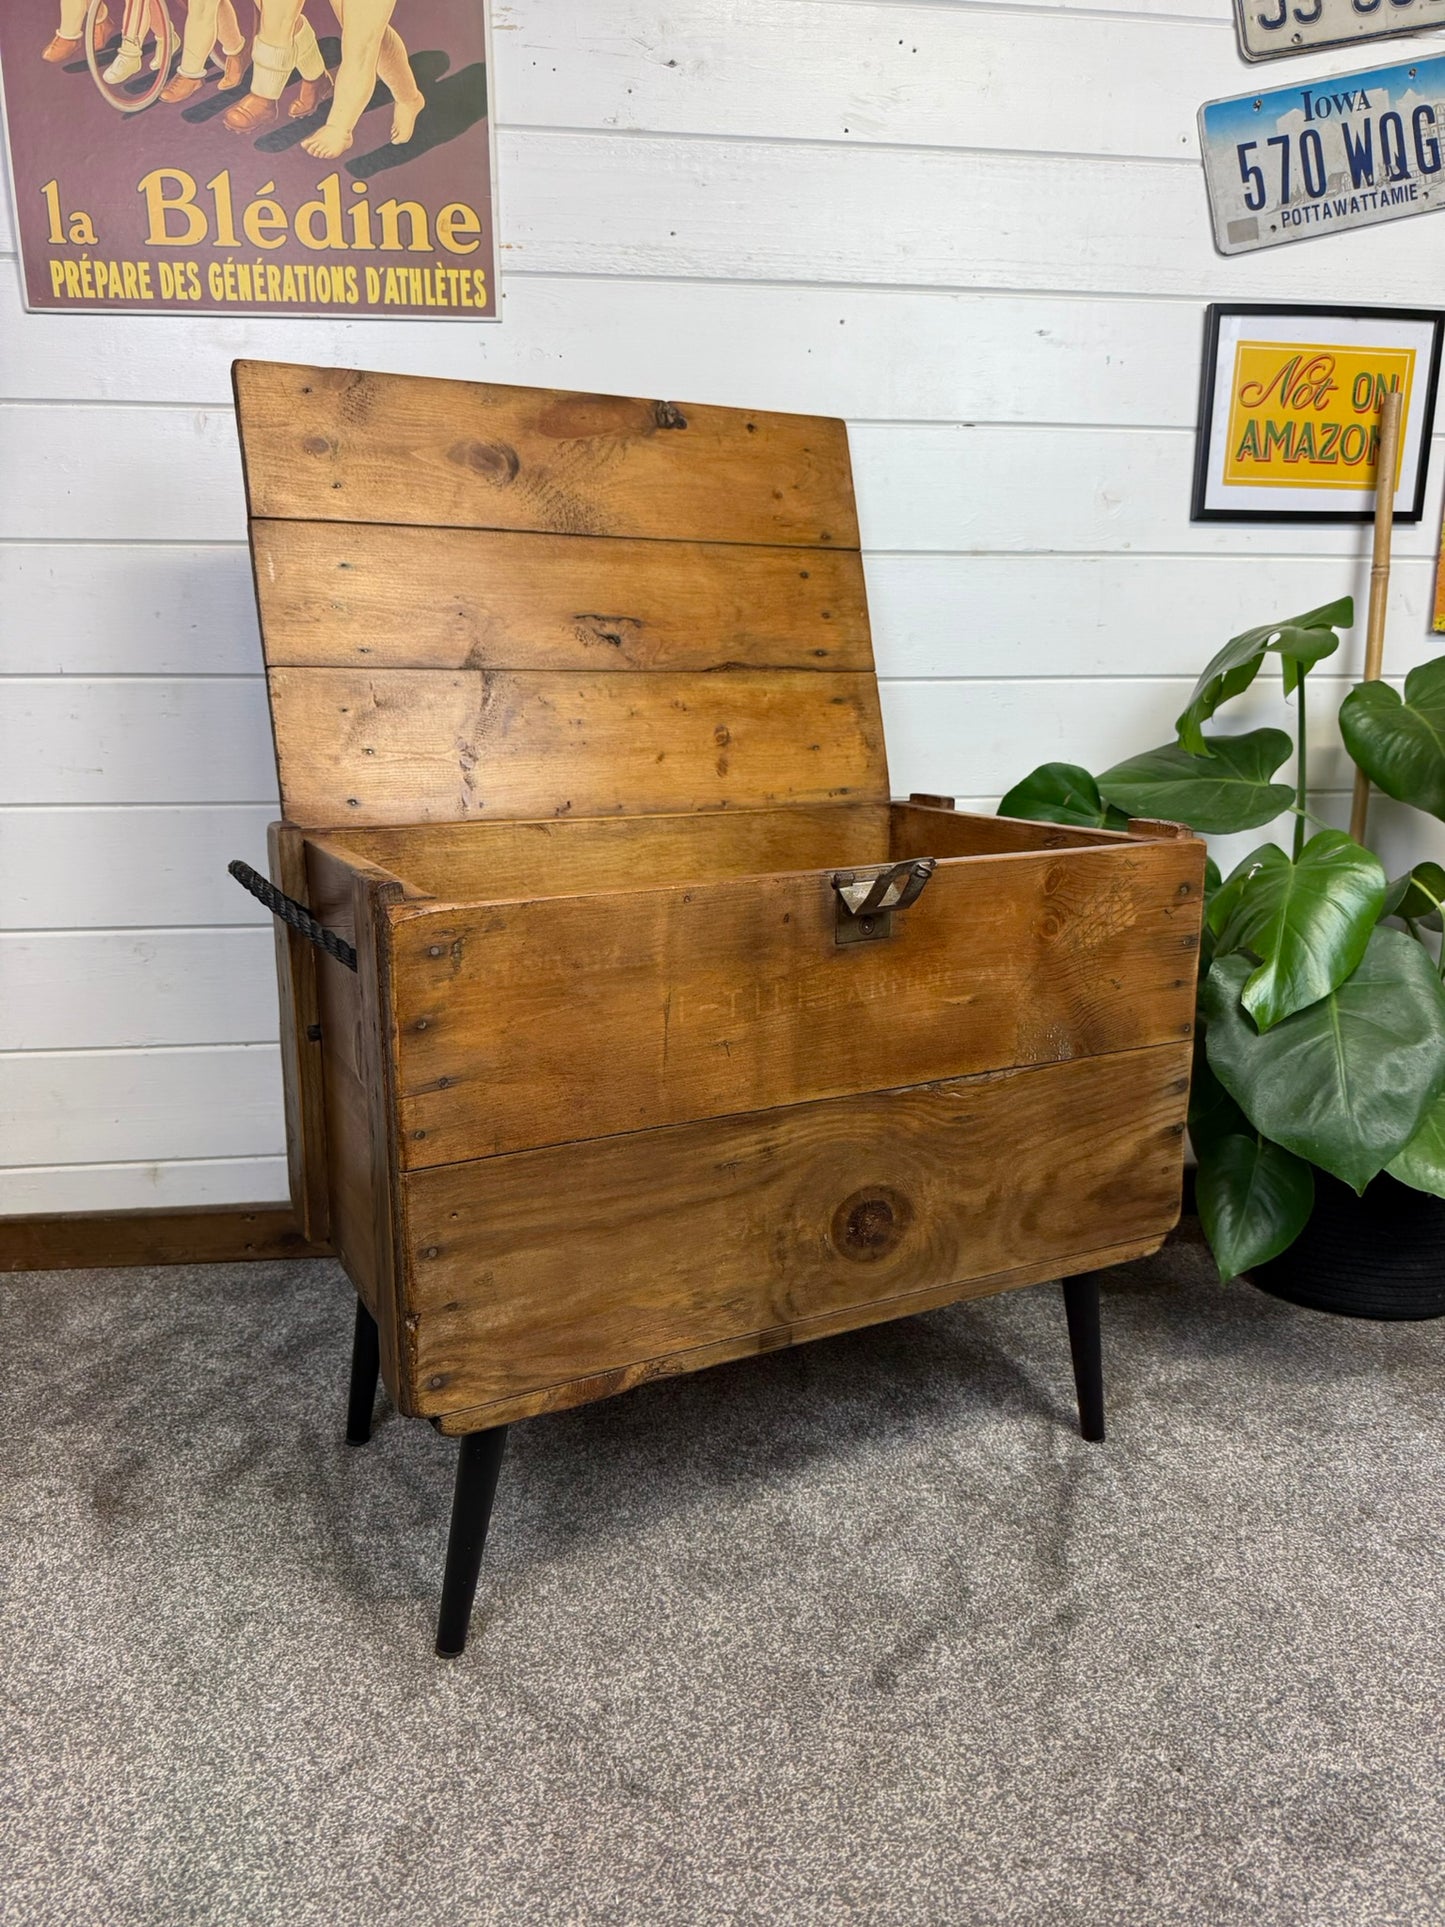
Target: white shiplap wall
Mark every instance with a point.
(978, 231)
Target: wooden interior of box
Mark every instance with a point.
(492, 862)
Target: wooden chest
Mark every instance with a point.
(579, 746)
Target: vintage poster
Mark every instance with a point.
(1351, 151)
(297, 157)
(1289, 417)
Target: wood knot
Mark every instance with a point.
(667, 414)
(870, 1224)
(318, 445)
(495, 462)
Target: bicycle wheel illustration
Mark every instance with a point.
(132, 75)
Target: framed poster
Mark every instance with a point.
(295, 157)
(1289, 411)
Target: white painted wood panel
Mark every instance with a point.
(176, 1183)
(867, 353)
(852, 207)
(863, 73)
(954, 487)
(983, 736)
(656, 205)
(143, 739)
(132, 988)
(70, 609)
(986, 489)
(780, 211)
(134, 868)
(1110, 615)
(110, 1107)
(949, 734)
(933, 614)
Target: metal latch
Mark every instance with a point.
(866, 903)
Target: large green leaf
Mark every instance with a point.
(1346, 1082)
(1400, 744)
(1307, 923)
(1062, 793)
(1300, 642)
(1213, 1113)
(1417, 896)
(1223, 904)
(1254, 1199)
(1225, 790)
(1422, 1162)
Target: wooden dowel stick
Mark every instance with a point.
(1379, 579)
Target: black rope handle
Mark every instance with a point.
(295, 914)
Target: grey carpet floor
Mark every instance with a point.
(860, 1632)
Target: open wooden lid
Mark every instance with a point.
(481, 601)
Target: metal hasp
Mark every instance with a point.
(866, 902)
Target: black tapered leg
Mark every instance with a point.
(365, 1365)
(1081, 1305)
(478, 1464)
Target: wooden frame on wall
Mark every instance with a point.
(1275, 373)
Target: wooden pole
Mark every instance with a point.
(1379, 579)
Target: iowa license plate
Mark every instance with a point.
(1341, 153)
(1268, 28)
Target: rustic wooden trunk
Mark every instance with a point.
(576, 723)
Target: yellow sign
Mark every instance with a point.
(1303, 416)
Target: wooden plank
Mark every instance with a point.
(109, 868)
(359, 1089)
(977, 356)
(300, 1037)
(71, 610)
(526, 1024)
(996, 732)
(874, 74)
(346, 595)
(79, 610)
(585, 1391)
(1071, 490)
(50, 1190)
(420, 745)
(1013, 605)
(1063, 489)
(123, 989)
(67, 739)
(106, 1106)
(562, 856)
(207, 1235)
(919, 830)
(712, 1232)
(781, 211)
(336, 445)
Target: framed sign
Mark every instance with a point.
(1351, 151)
(296, 157)
(1269, 28)
(1289, 411)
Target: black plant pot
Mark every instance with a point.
(1377, 1256)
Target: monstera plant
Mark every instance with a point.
(1321, 1040)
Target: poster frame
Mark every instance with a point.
(1414, 508)
(199, 310)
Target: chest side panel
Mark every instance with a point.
(751, 1232)
(484, 601)
(528, 1023)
